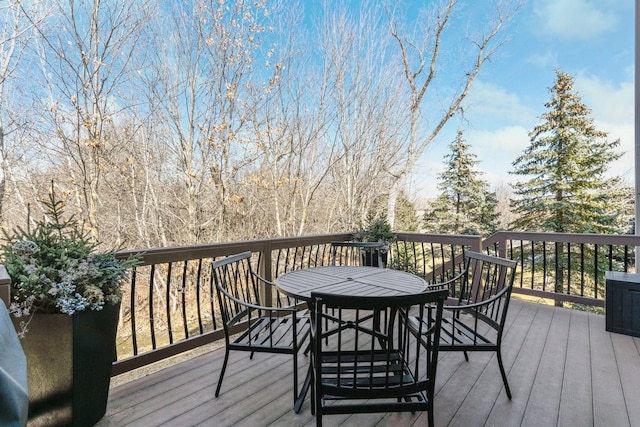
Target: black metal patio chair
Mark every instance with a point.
(358, 253)
(476, 311)
(248, 324)
(353, 373)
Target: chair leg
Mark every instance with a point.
(504, 375)
(313, 395)
(466, 356)
(430, 415)
(430, 393)
(295, 377)
(224, 367)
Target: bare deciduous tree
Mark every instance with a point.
(291, 122)
(87, 50)
(422, 67)
(16, 30)
(202, 67)
(366, 97)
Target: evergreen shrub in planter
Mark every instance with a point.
(65, 299)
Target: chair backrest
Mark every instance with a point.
(235, 283)
(487, 277)
(357, 253)
(365, 361)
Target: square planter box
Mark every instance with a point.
(69, 361)
(623, 303)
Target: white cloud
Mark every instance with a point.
(496, 150)
(574, 19)
(503, 144)
(543, 61)
(496, 130)
(608, 102)
(612, 108)
(624, 166)
(489, 101)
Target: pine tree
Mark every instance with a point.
(406, 216)
(465, 205)
(566, 162)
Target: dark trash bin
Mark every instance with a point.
(623, 303)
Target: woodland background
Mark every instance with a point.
(174, 123)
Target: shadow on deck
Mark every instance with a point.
(563, 367)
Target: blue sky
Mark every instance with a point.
(592, 40)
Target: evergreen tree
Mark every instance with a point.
(438, 217)
(566, 161)
(465, 206)
(406, 217)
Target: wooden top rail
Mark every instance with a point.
(603, 239)
(182, 253)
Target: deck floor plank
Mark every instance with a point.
(260, 382)
(608, 398)
(576, 383)
(563, 367)
(543, 405)
(523, 373)
(487, 389)
(628, 362)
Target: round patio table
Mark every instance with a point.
(348, 281)
(351, 281)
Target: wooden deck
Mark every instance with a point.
(563, 367)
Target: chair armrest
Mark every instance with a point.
(280, 293)
(450, 285)
(488, 317)
(480, 303)
(262, 279)
(291, 309)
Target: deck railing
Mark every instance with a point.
(564, 266)
(169, 305)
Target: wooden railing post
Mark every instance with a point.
(264, 269)
(502, 245)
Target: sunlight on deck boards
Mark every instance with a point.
(563, 367)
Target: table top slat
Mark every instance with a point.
(350, 281)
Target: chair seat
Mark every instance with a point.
(274, 334)
(363, 371)
(456, 334)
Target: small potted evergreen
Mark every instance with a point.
(376, 230)
(65, 300)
